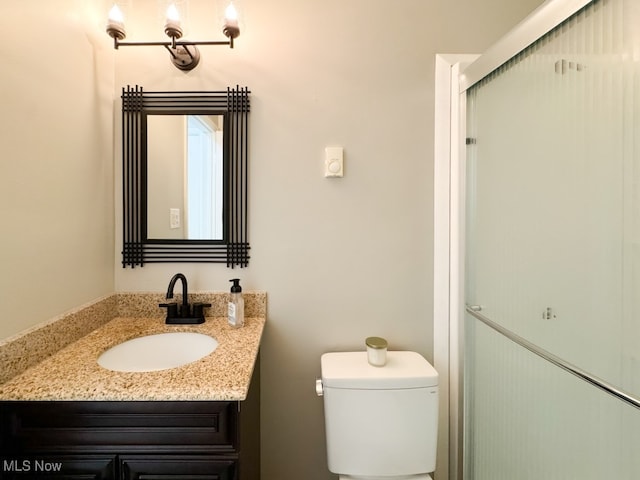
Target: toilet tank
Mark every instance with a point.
(380, 421)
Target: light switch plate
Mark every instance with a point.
(333, 162)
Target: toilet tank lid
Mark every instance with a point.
(352, 370)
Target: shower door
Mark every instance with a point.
(552, 276)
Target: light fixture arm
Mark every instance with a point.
(184, 54)
(173, 44)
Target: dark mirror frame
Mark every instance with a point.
(137, 250)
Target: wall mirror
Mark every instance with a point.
(185, 176)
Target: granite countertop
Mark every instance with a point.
(74, 374)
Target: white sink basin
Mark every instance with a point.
(158, 352)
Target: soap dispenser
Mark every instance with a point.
(236, 305)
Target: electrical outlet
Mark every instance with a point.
(174, 218)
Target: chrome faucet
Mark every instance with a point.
(183, 314)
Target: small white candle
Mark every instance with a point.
(376, 351)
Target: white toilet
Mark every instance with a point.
(381, 422)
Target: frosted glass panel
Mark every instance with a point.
(553, 205)
(533, 421)
(553, 252)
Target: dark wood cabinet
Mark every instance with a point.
(176, 467)
(131, 440)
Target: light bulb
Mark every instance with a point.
(172, 14)
(115, 23)
(115, 14)
(172, 27)
(230, 28)
(231, 14)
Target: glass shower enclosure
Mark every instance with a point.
(552, 275)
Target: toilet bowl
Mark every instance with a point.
(380, 422)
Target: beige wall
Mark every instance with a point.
(166, 151)
(341, 259)
(56, 199)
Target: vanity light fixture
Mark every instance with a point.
(184, 54)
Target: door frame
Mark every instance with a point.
(448, 243)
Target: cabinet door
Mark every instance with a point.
(178, 467)
(58, 467)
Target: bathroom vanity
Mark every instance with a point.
(67, 417)
(132, 440)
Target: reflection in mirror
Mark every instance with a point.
(185, 177)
